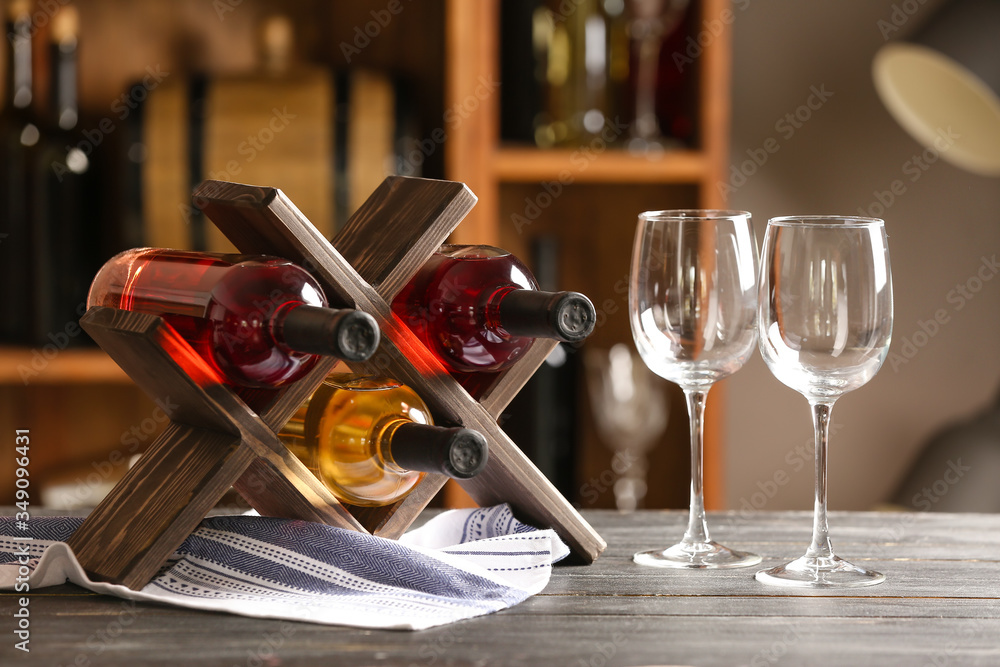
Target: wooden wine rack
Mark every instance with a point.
(215, 440)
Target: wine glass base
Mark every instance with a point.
(811, 572)
(696, 555)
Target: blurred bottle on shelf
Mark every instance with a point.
(619, 55)
(589, 43)
(536, 104)
(596, 69)
(371, 440)
(67, 230)
(522, 65)
(19, 133)
(553, 49)
(49, 194)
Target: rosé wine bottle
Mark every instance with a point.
(479, 309)
(259, 321)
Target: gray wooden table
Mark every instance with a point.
(939, 606)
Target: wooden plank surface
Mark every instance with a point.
(939, 606)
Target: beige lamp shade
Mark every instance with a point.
(942, 84)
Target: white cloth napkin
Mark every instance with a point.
(461, 564)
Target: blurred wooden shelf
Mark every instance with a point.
(28, 366)
(598, 165)
(452, 80)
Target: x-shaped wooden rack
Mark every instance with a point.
(215, 441)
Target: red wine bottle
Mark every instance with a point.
(260, 321)
(478, 309)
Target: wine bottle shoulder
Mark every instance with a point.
(476, 272)
(355, 382)
(471, 252)
(365, 400)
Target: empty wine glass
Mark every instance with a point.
(630, 409)
(825, 320)
(692, 305)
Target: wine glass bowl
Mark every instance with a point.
(692, 308)
(694, 323)
(822, 330)
(825, 322)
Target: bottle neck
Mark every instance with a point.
(351, 335)
(565, 316)
(18, 36)
(403, 445)
(493, 318)
(383, 445)
(63, 91)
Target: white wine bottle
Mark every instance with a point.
(371, 440)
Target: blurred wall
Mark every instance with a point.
(943, 224)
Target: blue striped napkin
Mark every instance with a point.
(460, 564)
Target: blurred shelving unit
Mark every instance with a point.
(82, 406)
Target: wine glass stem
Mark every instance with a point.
(821, 547)
(697, 530)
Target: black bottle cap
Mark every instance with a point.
(351, 335)
(459, 453)
(565, 316)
